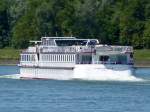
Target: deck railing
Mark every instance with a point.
(80, 49)
(67, 49)
(114, 48)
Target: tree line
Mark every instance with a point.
(120, 22)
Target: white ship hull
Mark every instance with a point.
(80, 71)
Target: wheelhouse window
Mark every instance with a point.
(48, 42)
(71, 42)
(92, 42)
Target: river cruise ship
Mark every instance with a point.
(72, 58)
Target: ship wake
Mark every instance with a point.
(12, 76)
(88, 73)
(94, 77)
(110, 77)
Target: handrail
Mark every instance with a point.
(78, 49)
(64, 49)
(115, 48)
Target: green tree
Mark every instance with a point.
(4, 24)
(24, 31)
(132, 23)
(124, 22)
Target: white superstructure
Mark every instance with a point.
(68, 58)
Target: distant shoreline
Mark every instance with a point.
(9, 62)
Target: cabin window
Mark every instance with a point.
(118, 59)
(71, 57)
(86, 59)
(103, 58)
(22, 58)
(32, 58)
(60, 58)
(131, 55)
(64, 57)
(68, 58)
(56, 58)
(50, 57)
(71, 42)
(27, 57)
(122, 59)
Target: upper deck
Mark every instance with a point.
(74, 45)
(67, 41)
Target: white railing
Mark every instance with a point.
(75, 49)
(69, 49)
(114, 48)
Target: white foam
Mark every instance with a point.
(100, 77)
(89, 73)
(12, 76)
(108, 77)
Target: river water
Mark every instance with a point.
(75, 95)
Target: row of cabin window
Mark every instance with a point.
(27, 57)
(58, 58)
